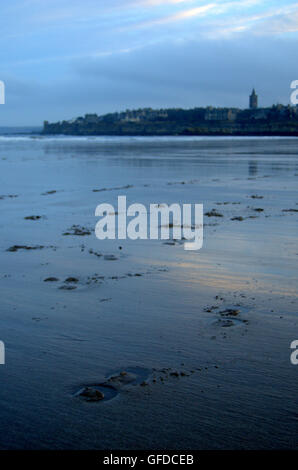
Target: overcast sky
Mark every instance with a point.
(64, 58)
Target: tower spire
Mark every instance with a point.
(253, 100)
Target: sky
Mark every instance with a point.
(60, 59)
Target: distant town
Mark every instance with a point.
(275, 120)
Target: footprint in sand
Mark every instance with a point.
(113, 385)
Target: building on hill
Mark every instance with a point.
(220, 114)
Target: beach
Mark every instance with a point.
(191, 349)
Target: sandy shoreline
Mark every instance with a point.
(209, 332)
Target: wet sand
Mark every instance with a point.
(191, 350)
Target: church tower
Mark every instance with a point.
(253, 100)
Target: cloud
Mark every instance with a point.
(181, 15)
(270, 22)
(279, 23)
(194, 73)
(218, 8)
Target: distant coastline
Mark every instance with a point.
(278, 120)
(19, 130)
